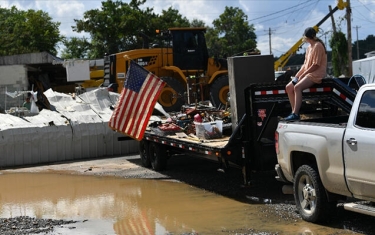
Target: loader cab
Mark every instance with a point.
(189, 48)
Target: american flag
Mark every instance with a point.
(136, 102)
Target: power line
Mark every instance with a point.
(365, 6)
(286, 12)
(274, 13)
(363, 18)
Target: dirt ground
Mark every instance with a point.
(203, 174)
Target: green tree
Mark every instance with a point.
(197, 23)
(339, 46)
(27, 32)
(116, 26)
(232, 34)
(364, 46)
(215, 48)
(76, 48)
(171, 18)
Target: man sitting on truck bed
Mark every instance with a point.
(312, 71)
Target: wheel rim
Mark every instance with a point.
(167, 97)
(307, 195)
(223, 94)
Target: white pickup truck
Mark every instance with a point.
(330, 159)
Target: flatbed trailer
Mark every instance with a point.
(250, 144)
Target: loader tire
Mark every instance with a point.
(171, 97)
(219, 90)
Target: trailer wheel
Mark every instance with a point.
(310, 196)
(144, 153)
(158, 156)
(171, 96)
(219, 90)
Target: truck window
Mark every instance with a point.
(191, 41)
(366, 111)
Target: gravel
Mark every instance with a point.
(28, 225)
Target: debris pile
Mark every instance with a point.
(197, 120)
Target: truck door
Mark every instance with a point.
(359, 148)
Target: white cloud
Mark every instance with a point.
(64, 12)
(195, 9)
(243, 5)
(286, 19)
(18, 5)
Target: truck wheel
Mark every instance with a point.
(143, 152)
(158, 156)
(219, 90)
(171, 97)
(309, 194)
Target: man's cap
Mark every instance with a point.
(309, 32)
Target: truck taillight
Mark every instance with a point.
(277, 142)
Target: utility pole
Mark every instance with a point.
(325, 36)
(356, 27)
(333, 20)
(349, 27)
(269, 35)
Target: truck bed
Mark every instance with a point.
(327, 121)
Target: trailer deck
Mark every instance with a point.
(250, 144)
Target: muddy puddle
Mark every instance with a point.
(109, 205)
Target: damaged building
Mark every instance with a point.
(38, 71)
(67, 127)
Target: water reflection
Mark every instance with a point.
(108, 205)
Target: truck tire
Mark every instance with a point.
(172, 95)
(219, 90)
(143, 152)
(158, 156)
(310, 196)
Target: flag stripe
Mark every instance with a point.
(141, 98)
(116, 118)
(149, 109)
(136, 102)
(147, 101)
(128, 99)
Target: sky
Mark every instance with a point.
(278, 24)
